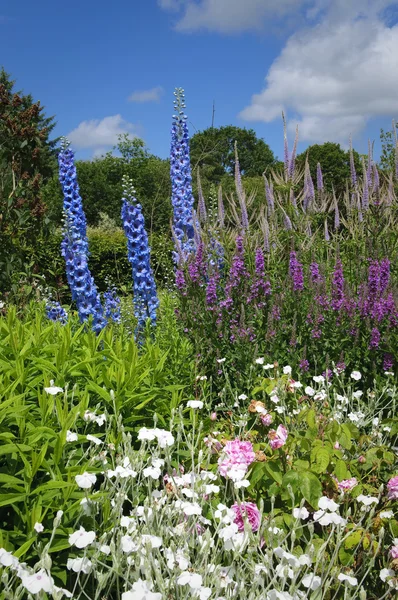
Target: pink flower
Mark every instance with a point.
(266, 419)
(347, 484)
(213, 416)
(392, 487)
(237, 455)
(249, 511)
(277, 438)
(393, 551)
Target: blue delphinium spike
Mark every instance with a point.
(74, 246)
(55, 312)
(112, 305)
(181, 180)
(145, 297)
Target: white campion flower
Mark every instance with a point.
(367, 500)
(86, 480)
(152, 472)
(260, 361)
(268, 366)
(242, 397)
(274, 397)
(95, 440)
(7, 559)
(320, 395)
(195, 404)
(78, 565)
(141, 590)
(105, 549)
(38, 582)
(357, 394)
(301, 513)
(211, 488)
(165, 438)
(122, 472)
(325, 503)
(386, 573)
(287, 370)
(356, 375)
(194, 580)
(275, 595)
(386, 514)
(128, 544)
(311, 581)
(297, 385)
(221, 360)
(204, 593)
(146, 434)
(243, 483)
(62, 592)
(352, 581)
(153, 540)
(228, 532)
(38, 527)
(81, 538)
(53, 390)
(319, 379)
(71, 436)
(191, 508)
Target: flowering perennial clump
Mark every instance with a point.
(145, 297)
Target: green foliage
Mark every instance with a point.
(387, 157)
(213, 151)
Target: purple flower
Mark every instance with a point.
(316, 277)
(388, 362)
(319, 177)
(352, 167)
(247, 511)
(180, 280)
(304, 365)
(296, 272)
(211, 292)
(338, 286)
(384, 275)
(374, 338)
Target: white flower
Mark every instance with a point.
(319, 378)
(275, 595)
(301, 513)
(7, 559)
(388, 373)
(353, 581)
(356, 375)
(243, 483)
(141, 591)
(212, 489)
(105, 549)
(79, 564)
(86, 480)
(260, 361)
(62, 591)
(128, 544)
(152, 472)
(191, 508)
(95, 440)
(81, 538)
(195, 404)
(71, 436)
(53, 390)
(320, 395)
(386, 514)
(202, 378)
(100, 419)
(204, 593)
(385, 573)
(297, 385)
(274, 397)
(357, 394)
(221, 360)
(146, 434)
(268, 366)
(242, 397)
(311, 581)
(38, 527)
(165, 438)
(153, 540)
(367, 500)
(287, 370)
(326, 503)
(38, 582)
(194, 580)
(280, 409)
(356, 417)
(228, 532)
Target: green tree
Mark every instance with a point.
(387, 157)
(27, 160)
(213, 151)
(335, 164)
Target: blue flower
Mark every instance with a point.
(55, 312)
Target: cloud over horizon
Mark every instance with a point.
(100, 134)
(152, 95)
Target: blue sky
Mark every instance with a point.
(103, 68)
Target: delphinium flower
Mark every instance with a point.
(181, 180)
(145, 297)
(112, 305)
(74, 247)
(338, 286)
(296, 272)
(55, 312)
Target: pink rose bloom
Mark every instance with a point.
(266, 419)
(393, 551)
(249, 511)
(347, 484)
(237, 455)
(392, 487)
(277, 438)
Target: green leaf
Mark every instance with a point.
(353, 540)
(274, 470)
(320, 457)
(311, 488)
(340, 470)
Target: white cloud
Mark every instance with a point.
(333, 77)
(229, 16)
(152, 95)
(100, 133)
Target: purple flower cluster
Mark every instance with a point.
(296, 272)
(338, 286)
(55, 312)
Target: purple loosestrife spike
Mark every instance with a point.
(145, 299)
(211, 292)
(388, 362)
(202, 213)
(384, 275)
(375, 337)
(338, 286)
(221, 210)
(319, 178)
(296, 272)
(365, 195)
(352, 166)
(292, 161)
(181, 179)
(316, 276)
(180, 281)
